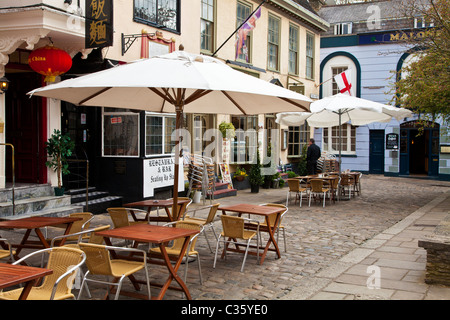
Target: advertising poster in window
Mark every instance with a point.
(160, 173)
(99, 23)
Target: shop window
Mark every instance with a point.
(120, 132)
(164, 14)
(158, 134)
(298, 137)
(331, 139)
(245, 143)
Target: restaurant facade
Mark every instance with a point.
(122, 144)
(368, 39)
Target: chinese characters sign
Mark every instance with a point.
(99, 23)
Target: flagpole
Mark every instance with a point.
(264, 1)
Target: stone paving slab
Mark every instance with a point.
(328, 249)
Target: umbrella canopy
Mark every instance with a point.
(325, 112)
(177, 82)
(341, 108)
(199, 84)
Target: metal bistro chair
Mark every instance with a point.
(99, 263)
(120, 216)
(234, 228)
(183, 208)
(6, 253)
(57, 286)
(295, 187)
(206, 223)
(346, 183)
(317, 188)
(177, 245)
(272, 221)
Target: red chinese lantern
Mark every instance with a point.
(50, 62)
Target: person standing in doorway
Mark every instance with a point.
(312, 155)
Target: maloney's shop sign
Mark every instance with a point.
(99, 23)
(391, 36)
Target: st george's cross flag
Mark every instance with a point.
(343, 81)
(248, 26)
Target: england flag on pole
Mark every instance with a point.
(249, 25)
(343, 81)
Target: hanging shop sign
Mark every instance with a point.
(392, 141)
(50, 62)
(99, 23)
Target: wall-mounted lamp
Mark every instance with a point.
(4, 84)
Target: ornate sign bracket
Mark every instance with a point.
(129, 39)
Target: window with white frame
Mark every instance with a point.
(293, 49)
(421, 22)
(243, 11)
(158, 134)
(331, 139)
(207, 25)
(309, 56)
(343, 28)
(335, 71)
(298, 137)
(273, 43)
(246, 141)
(120, 133)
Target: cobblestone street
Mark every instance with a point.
(317, 238)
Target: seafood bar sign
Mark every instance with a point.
(160, 173)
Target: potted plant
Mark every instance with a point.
(254, 177)
(59, 147)
(240, 174)
(227, 129)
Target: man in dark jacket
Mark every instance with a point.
(312, 155)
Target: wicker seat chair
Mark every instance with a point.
(295, 186)
(175, 248)
(99, 263)
(234, 229)
(206, 223)
(183, 208)
(346, 184)
(77, 226)
(317, 188)
(272, 222)
(64, 262)
(7, 251)
(120, 217)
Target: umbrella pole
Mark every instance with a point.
(340, 141)
(178, 123)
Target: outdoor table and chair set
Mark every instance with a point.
(331, 185)
(78, 247)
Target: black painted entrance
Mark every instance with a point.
(419, 148)
(376, 157)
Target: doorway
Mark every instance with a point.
(25, 129)
(376, 155)
(419, 148)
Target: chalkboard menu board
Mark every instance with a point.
(392, 141)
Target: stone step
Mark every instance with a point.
(99, 205)
(81, 197)
(52, 212)
(29, 205)
(223, 193)
(26, 192)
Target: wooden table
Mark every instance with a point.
(150, 204)
(36, 223)
(11, 275)
(264, 211)
(159, 235)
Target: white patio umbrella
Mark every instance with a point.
(341, 108)
(177, 82)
